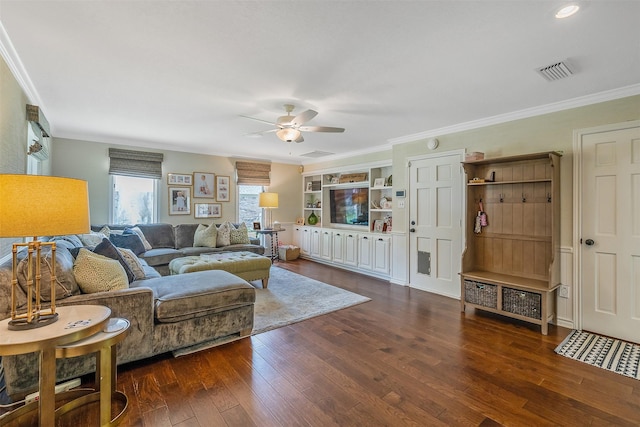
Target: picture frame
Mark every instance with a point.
(179, 179)
(300, 221)
(378, 182)
(207, 210)
(222, 188)
(378, 226)
(335, 180)
(203, 185)
(256, 225)
(309, 186)
(179, 200)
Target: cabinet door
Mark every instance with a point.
(365, 252)
(338, 247)
(381, 251)
(305, 240)
(325, 244)
(297, 236)
(351, 249)
(314, 249)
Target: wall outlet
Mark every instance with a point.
(564, 291)
(400, 204)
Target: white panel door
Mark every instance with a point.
(325, 245)
(337, 254)
(610, 235)
(351, 249)
(435, 218)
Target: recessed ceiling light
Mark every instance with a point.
(567, 11)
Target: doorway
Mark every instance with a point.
(435, 223)
(607, 225)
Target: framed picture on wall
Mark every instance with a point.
(203, 185)
(207, 210)
(179, 200)
(179, 179)
(222, 188)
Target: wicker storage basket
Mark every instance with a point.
(479, 293)
(520, 302)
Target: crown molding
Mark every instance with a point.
(10, 56)
(582, 101)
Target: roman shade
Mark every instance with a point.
(250, 173)
(140, 164)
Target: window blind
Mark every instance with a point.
(140, 164)
(250, 173)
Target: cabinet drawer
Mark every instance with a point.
(479, 293)
(528, 304)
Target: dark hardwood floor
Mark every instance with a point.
(405, 358)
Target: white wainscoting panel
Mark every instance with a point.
(565, 314)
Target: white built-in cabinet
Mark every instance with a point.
(355, 247)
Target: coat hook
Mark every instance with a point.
(549, 197)
(524, 198)
(501, 198)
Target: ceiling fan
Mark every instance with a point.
(289, 128)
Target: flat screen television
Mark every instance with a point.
(349, 206)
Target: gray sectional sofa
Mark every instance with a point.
(170, 242)
(167, 313)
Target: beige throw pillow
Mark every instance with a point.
(240, 235)
(205, 236)
(145, 242)
(133, 262)
(97, 273)
(224, 235)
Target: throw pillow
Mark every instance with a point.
(65, 281)
(133, 262)
(105, 230)
(92, 239)
(224, 235)
(240, 235)
(128, 241)
(96, 273)
(136, 230)
(205, 235)
(106, 248)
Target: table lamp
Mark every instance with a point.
(36, 205)
(268, 201)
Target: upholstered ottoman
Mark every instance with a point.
(246, 265)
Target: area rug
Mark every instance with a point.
(291, 298)
(607, 353)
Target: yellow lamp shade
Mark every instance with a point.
(36, 205)
(268, 200)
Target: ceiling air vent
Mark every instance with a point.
(317, 154)
(556, 71)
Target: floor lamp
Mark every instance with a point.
(268, 201)
(31, 206)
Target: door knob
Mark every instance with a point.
(589, 242)
(413, 223)
(413, 230)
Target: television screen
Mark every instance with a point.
(349, 206)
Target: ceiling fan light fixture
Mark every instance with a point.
(288, 134)
(567, 11)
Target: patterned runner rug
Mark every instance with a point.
(611, 354)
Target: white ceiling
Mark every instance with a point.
(178, 74)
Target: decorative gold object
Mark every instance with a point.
(31, 206)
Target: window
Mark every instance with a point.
(248, 209)
(134, 200)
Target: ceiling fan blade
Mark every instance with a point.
(320, 129)
(259, 120)
(300, 138)
(303, 117)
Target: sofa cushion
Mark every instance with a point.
(136, 230)
(256, 249)
(199, 250)
(66, 284)
(91, 239)
(205, 235)
(160, 256)
(159, 235)
(128, 241)
(223, 235)
(205, 292)
(133, 262)
(239, 234)
(97, 273)
(184, 234)
(106, 248)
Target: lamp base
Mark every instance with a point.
(37, 322)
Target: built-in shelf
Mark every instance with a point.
(527, 181)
